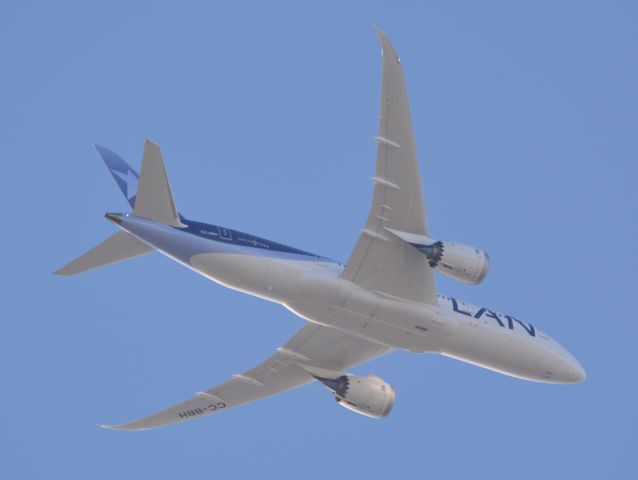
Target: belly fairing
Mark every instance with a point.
(272, 278)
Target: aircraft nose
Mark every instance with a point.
(571, 371)
(579, 372)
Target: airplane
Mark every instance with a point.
(383, 298)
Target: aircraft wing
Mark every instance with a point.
(314, 346)
(382, 261)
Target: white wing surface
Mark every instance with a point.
(313, 346)
(381, 261)
(116, 248)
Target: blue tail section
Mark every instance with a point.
(123, 174)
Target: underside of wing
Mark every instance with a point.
(313, 347)
(116, 248)
(382, 261)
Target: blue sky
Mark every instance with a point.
(525, 116)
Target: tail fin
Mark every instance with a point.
(154, 199)
(149, 195)
(124, 175)
(114, 249)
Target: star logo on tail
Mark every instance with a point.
(131, 180)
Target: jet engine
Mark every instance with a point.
(370, 396)
(460, 262)
(457, 261)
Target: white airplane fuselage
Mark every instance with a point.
(311, 286)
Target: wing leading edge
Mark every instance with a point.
(313, 346)
(382, 261)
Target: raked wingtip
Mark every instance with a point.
(386, 45)
(148, 141)
(115, 427)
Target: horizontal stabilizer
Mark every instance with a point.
(114, 249)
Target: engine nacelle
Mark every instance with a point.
(457, 261)
(370, 396)
(454, 260)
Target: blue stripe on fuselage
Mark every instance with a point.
(241, 239)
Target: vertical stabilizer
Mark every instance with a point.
(154, 199)
(124, 175)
